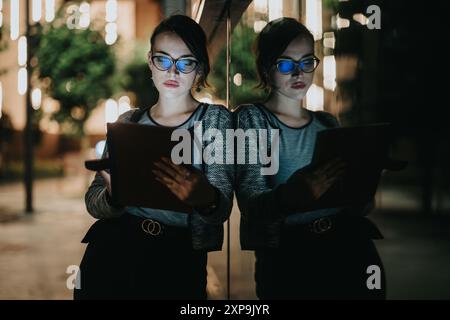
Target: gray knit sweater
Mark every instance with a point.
(207, 230)
(262, 215)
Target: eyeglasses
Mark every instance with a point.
(307, 65)
(184, 65)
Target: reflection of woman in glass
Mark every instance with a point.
(299, 253)
(138, 252)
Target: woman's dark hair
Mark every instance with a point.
(271, 43)
(193, 36)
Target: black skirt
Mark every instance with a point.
(124, 261)
(338, 261)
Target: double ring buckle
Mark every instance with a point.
(151, 227)
(321, 225)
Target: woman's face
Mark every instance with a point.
(171, 82)
(296, 84)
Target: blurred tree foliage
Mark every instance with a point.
(75, 67)
(135, 78)
(243, 62)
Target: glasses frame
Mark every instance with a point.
(174, 62)
(298, 64)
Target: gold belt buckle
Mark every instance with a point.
(321, 225)
(151, 227)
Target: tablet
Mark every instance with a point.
(132, 149)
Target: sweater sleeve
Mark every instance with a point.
(220, 175)
(97, 199)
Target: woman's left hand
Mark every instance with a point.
(190, 186)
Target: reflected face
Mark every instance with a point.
(295, 84)
(169, 80)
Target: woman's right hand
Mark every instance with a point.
(107, 179)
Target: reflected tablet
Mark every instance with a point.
(365, 149)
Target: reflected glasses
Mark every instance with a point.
(307, 65)
(184, 65)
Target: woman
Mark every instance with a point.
(300, 253)
(148, 253)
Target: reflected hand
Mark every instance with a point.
(317, 181)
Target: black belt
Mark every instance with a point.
(154, 228)
(128, 226)
(335, 224)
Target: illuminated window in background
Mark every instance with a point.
(329, 41)
(197, 9)
(22, 51)
(113, 108)
(22, 81)
(313, 18)
(111, 111)
(275, 9)
(314, 98)
(111, 10)
(22, 76)
(99, 148)
(258, 25)
(111, 33)
(15, 23)
(260, 6)
(85, 16)
(36, 98)
(124, 104)
(362, 19)
(342, 23)
(36, 11)
(111, 26)
(49, 10)
(329, 72)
